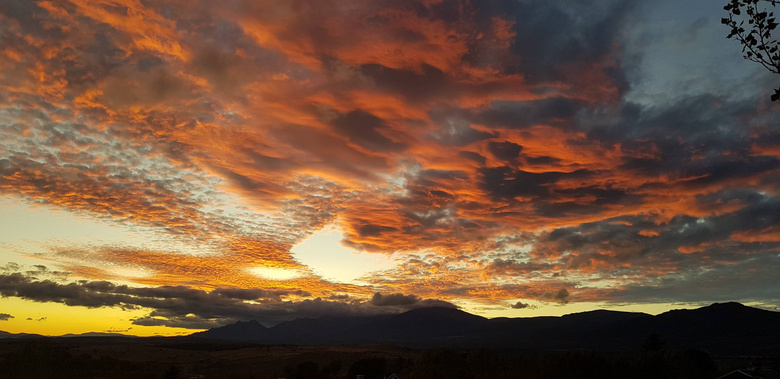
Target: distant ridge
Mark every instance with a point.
(69, 335)
(240, 331)
(721, 328)
(18, 335)
(97, 334)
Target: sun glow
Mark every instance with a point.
(274, 273)
(327, 256)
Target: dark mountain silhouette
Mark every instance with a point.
(240, 331)
(729, 328)
(18, 335)
(98, 334)
(719, 327)
(421, 327)
(412, 327)
(69, 335)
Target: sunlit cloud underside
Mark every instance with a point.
(189, 164)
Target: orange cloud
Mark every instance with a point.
(494, 157)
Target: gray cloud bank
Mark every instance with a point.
(184, 307)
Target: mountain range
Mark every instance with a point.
(721, 328)
(18, 335)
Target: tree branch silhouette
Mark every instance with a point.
(757, 42)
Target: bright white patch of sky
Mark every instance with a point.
(275, 273)
(324, 253)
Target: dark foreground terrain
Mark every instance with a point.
(182, 357)
(426, 343)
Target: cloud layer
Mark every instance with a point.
(498, 150)
(184, 307)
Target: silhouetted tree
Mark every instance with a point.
(756, 37)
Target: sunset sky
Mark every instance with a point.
(173, 165)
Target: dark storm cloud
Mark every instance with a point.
(521, 305)
(440, 177)
(747, 280)
(95, 294)
(429, 203)
(219, 66)
(720, 170)
(472, 156)
(5, 317)
(562, 33)
(677, 250)
(393, 299)
(680, 133)
(364, 129)
(507, 183)
(542, 160)
(268, 163)
(10, 267)
(591, 200)
(179, 321)
(551, 39)
(431, 82)
(697, 140)
(28, 14)
(18, 285)
(180, 306)
(255, 294)
(505, 150)
(372, 230)
(39, 270)
(560, 296)
(555, 111)
(406, 301)
(759, 213)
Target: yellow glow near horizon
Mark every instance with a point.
(538, 309)
(55, 319)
